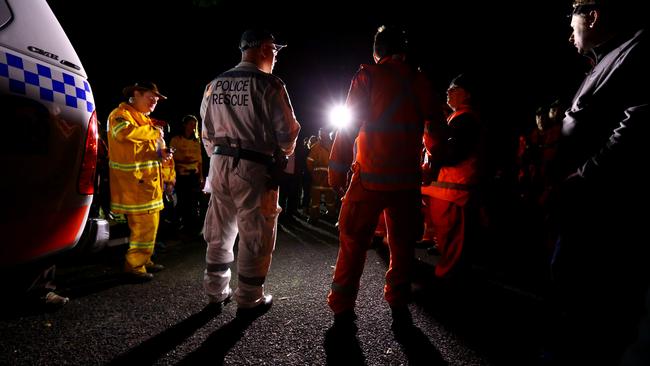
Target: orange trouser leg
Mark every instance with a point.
(429, 232)
(404, 227)
(357, 223)
(141, 241)
(449, 222)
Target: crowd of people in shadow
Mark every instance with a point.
(565, 208)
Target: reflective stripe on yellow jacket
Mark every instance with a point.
(135, 169)
(317, 162)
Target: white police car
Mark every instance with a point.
(48, 151)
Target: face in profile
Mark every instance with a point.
(456, 96)
(581, 30)
(270, 54)
(145, 101)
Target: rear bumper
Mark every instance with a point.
(95, 236)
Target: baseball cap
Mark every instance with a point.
(255, 37)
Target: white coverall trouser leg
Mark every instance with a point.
(240, 203)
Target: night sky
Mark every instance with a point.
(521, 52)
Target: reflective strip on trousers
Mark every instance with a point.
(218, 267)
(253, 281)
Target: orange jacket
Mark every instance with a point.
(457, 181)
(390, 103)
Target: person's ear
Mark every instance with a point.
(267, 50)
(592, 18)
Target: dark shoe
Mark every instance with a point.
(312, 221)
(53, 300)
(250, 314)
(345, 322)
(161, 247)
(138, 277)
(154, 267)
(377, 241)
(424, 243)
(218, 305)
(402, 319)
(345, 317)
(433, 250)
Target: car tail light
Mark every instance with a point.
(86, 183)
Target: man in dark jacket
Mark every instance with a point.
(600, 199)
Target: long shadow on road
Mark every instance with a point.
(214, 349)
(342, 346)
(417, 347)
(152, 349)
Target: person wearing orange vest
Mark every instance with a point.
(452, 205)
(317, 162)
(391, 102)
(136, 150)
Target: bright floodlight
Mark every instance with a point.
(340, 116)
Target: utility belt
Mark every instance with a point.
(275, 164)
(250, 155)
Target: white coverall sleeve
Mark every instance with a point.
(284, 121)
(207, 131)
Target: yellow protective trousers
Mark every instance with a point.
(141, 241)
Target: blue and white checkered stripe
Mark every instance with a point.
(21, 75)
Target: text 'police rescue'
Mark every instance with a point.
(231, 92)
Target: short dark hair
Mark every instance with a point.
(189, 118)
(390, 40)
(616, 13)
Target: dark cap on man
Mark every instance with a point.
(253, 38)
(142, 86)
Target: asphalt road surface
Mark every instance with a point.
(165, 322)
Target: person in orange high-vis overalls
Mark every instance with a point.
(453, 199)
(390, 101)
(317, 162)
(136, 149)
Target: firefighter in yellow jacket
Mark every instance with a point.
(317, 162)
(136, 150)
